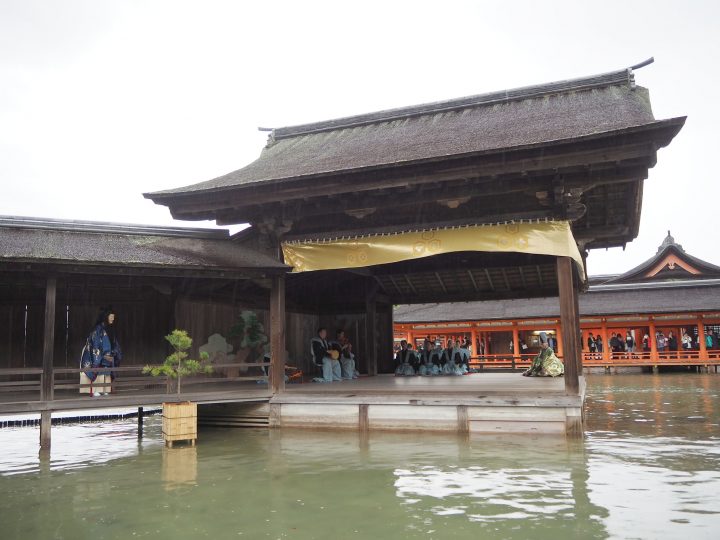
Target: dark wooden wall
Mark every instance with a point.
(146, 314)
(140, 324)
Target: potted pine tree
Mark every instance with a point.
(179, 418)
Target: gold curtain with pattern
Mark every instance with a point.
(544, 238)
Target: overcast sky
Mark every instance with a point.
(103, 100)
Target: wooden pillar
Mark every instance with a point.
(370, 349)
(701, 339)
(474, 349)
(45, 426)
(653, 342)
(409, 337)
(277, 334)
(568, 319)
(140, 422)
(559, 341)
(46, 391)
(577, 330)
(47, 387)
(516, 344)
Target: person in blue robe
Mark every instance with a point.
(102, 350)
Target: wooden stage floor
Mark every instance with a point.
(474, 384)
(480, 402)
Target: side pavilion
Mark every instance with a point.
(492, 196)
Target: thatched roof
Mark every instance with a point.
(485, 123)
(34, 240)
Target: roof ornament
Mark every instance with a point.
(669, 241)
(631, 76)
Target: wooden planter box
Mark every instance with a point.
(179, 422)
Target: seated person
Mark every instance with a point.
(403, 360)
(546, 364)
(347, 358)
(347, 363)
(453, 359)
(329, 358)
(425, 364)
(465, 357)
(437, 358)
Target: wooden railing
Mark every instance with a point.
(665, 358)
(498, 361)
(30, 380)
(647, 358)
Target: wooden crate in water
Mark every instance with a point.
(179, 422)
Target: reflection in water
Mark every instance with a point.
(647, 469)
(179, 466)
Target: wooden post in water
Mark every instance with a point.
(140, 422)
(277, 334)
(47, 387)
(568, 318)
(570, 325)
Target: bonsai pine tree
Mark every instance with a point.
(177, 365)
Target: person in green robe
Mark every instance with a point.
(546, 364)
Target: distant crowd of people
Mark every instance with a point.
(664, 343)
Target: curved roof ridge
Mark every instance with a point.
(665, 248)
(612, 78)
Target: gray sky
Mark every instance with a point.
(103, 100)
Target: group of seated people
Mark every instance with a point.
(453, 359)
(335, 357)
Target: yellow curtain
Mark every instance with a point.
(544, 238)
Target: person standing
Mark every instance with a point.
(661, 341)
(629, 342)
(591, 343)
(102, 350)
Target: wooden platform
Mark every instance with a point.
(483, 402)
(18, 403)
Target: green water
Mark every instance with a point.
(649, 467)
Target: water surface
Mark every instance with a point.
(649, 467)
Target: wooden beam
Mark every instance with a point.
(490, 282)
(46, 391)
(472, 279)
(47, 388)
(569, 322)
(392, 280)
(412, 287)
(539, 275)
(505, 278)
(442, 284)
(522, 277)
(277, 335)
